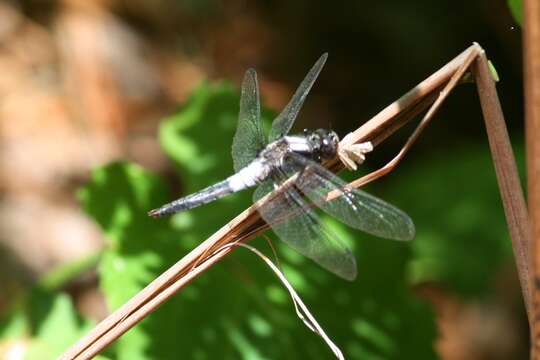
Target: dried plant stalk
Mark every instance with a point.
(513, 199)
(249, 224)
(531, 58)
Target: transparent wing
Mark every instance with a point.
(283, 123)
(352, 206)
(296, 224)
(249, 137)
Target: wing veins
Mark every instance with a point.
(285, 120)
(249, 138)
(296, 223)
(368, 213)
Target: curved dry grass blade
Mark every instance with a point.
(301, 309)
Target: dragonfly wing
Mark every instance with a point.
(354, 207)
(265, 188)
(298, 226)
(249, 137)
(283, 123)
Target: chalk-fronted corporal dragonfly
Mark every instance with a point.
(290, 214)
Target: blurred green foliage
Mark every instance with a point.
(238, 309)
(516, 7)
(462, 239)
(44, 323)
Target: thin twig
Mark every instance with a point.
(377, 129)
(531, 58)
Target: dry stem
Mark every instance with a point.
(531, 45)
(513, 200)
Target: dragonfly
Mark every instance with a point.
(292, 165)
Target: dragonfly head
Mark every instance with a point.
(324, 143)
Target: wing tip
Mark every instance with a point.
(250, 80)
(251, 72)
(348, 271)
(350, 276)
(405, 231)
(410, 234)
(402, 228)
(322, 59)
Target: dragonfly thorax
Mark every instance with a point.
(320, 144)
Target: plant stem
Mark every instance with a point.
(531, 46)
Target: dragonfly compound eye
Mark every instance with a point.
(328, 147)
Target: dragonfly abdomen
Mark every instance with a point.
(202, 197)
(249, 176)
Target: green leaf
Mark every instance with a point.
(13, 325)
(60, 328)
(118, 198)
(516, 8)
(44, 324)
(140, 247)
(237, 309)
